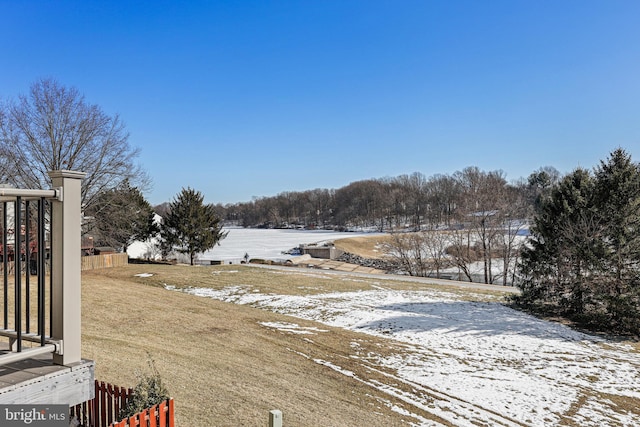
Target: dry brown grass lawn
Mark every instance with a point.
(224, 368)
(366, 246)
(220, 364)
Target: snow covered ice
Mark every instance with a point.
(257, 242)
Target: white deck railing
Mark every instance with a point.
(41, 252)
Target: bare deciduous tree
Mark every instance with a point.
(463, 252)
(415, 187)
(483, 210)
(421, 253)
(54, 128)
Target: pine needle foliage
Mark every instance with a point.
(121, 216)
(191, 226)
(583, 261)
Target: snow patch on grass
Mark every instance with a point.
(293, 328)
(485, 363)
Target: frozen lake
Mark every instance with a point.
(257, 242)
(269, 243)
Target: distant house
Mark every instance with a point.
(147, 249)
(104, 250)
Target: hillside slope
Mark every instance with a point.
(335, 349)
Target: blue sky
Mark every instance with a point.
(252, 98)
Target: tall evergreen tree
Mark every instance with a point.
(558, 262)
(617, 193)
(191, 227)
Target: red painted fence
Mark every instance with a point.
(104, 410)
(161, 415)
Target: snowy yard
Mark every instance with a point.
(469, 359)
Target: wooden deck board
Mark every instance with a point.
(39, 380)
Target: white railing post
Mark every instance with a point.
(275, 418)
(65, 251)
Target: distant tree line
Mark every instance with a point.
(412, 201)
(482, 213)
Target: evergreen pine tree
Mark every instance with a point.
(558, 265)
(191, 227)
(120, 216)
(617, 194)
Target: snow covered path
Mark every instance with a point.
(475, 362)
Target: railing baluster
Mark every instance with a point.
(27, 267)
(41, 268)
(5, 264)
(24, 236)
(50, 268)
(17, 250)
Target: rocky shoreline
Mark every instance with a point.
(379, 264)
